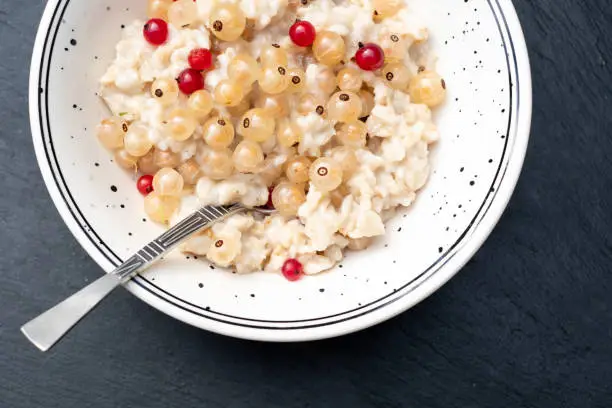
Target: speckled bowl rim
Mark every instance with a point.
(331, 326)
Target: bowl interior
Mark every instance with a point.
(474, 53)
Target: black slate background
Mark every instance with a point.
(528, 323)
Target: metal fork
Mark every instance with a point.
(49, 327)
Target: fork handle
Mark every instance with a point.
(48, 328)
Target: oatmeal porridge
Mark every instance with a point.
(320, 109)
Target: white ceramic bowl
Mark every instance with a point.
(485, 130)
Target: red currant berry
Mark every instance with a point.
(155, 31)
(145, 184)
(302, 33)
(200, 59)
(370, 57)
(190, 80)
(292, 269)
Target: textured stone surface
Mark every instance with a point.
(528, 323)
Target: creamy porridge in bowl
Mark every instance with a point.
(320, 109)
(386, 179)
